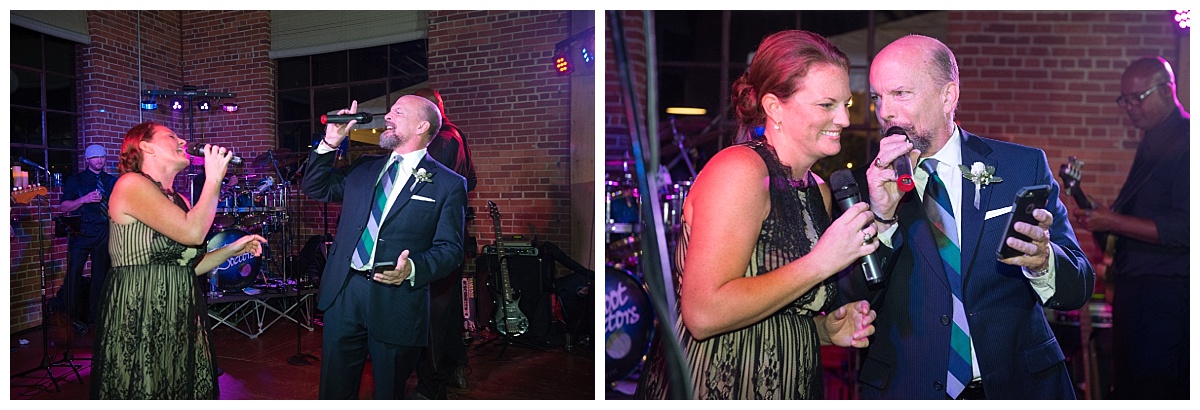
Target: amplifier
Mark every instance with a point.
(512, 250)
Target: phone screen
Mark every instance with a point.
(1028, 199)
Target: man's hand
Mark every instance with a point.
(403, 270)
(93, 197)
(881, 176)
(1036, 252)
(335, 133)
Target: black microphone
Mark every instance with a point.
(362, 118)
(845, 191)
(32, 164)
(902, 164)
(197, 149)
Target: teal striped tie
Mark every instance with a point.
(941, 214)
(362, 253)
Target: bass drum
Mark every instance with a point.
(237, 272)
(628, 323)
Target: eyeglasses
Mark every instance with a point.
(1127, 101)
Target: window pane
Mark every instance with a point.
(371, 98)
(60, 56)
(692, 35)
(60, 93)
(368, 63)
(60, 130)
(409, 59)
(26, 126)
(65, 161)
(329, 68)
(329, 99)
(26, 47)
(294, 105)
(27, 91)
(748, 28)
(296, 136)
(293, 72)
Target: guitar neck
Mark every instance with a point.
(1080, 198)
(507, 289)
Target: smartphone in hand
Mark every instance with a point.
(1028, 199)
(382, 266)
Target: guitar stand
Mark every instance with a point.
(48, 361)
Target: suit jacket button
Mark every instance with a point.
(945, 320)
(937, 386)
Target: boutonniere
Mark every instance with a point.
(981, 175)
(421, 175)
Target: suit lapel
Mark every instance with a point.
(974, 150)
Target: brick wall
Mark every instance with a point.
(494, 71)
(1049, 79)
(616, 123)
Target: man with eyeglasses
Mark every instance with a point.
(1150, 221)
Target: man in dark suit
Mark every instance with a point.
(405, 209)
(1150, 271)
(954, 321)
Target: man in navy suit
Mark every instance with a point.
(404, 208)
(954, 320)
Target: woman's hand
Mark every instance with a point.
(252, 244)
(849, 325)
(216, 162)
(848, 238)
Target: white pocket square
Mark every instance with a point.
(997, 212)
(421, 198)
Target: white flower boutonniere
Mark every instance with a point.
(981, 175)
(421, 175)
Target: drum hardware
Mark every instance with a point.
(629, 323)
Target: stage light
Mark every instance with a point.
(150, 105)
(1183, 18)
(204, 105)
(686, 111)
(587, 52)
(562, 62)
(176, 105)
(229, 107)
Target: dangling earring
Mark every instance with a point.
(777, 125)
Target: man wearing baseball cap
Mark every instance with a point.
(85, 194)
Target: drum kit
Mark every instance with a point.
(629, 319)
(251, 203)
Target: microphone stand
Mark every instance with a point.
(300, 358)
(47, 360)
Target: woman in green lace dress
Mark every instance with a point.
(757, 248)
(151, 339)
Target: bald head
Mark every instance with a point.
(914, 83)
(1148, 92)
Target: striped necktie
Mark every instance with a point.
(941, 214)
(366, 243)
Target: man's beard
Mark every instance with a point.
(390, 141)
(921, 140)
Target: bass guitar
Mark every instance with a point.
(509, 320)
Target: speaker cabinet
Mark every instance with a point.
(530, 278)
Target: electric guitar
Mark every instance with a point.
(509, 320)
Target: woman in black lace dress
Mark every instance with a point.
(151, 340)
(757, 248)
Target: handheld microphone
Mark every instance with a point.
(845, 191)
(197, 149)
(362, 118)
(32, 164)
(902, 164)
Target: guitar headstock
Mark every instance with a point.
(25, 194)
(493, 210)
(1071, 172)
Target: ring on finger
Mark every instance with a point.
(877, 164)
(867, 238)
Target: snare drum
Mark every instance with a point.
(628, 323)
(239, 271)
